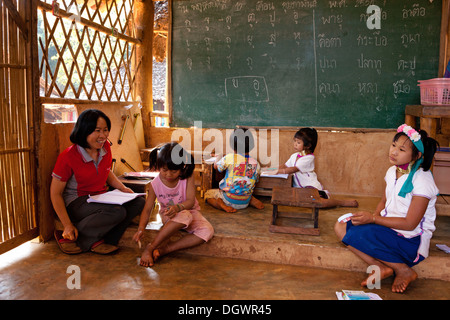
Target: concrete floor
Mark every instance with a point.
(40, 271)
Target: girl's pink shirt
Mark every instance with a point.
(171, 196)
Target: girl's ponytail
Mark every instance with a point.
(153, 159)
(430, 147)
(189, 166)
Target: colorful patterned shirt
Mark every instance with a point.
(242, 173)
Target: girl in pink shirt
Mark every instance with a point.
(175, 191)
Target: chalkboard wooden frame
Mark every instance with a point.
(226, 109)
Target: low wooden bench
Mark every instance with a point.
(295, 197)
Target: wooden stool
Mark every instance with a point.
(295, 197)
(265, 185)
(430, 117)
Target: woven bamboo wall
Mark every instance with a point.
(17, 171)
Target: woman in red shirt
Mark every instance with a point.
(81, 170)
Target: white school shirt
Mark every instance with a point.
(396, 206)
(305, 177)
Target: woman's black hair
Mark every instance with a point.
(174, 157)
(241, 140)
(430, 147)
(86, 124)
(309, 137)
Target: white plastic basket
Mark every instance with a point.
(435, 91)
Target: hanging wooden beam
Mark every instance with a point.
(81, 101)
(17, 18)
(48, 7)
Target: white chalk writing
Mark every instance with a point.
(364, 63)
(416, 11)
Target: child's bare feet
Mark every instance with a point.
(385, 272)
(219, 204)
(403, 279)
(256, 203)
(156, 254)
(228, 209)
(148, 257)
(350, 203)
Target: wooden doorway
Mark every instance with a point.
(17, 161)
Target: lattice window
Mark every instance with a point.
(87, 50)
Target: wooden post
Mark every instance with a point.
(316, 217)
(429, 125)
(144, 18)
(274, 214)
(169, 65)
(410, 120)
(444, 54)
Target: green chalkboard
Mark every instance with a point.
(348, 63)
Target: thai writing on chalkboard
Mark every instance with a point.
(348, 63)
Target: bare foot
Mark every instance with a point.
(256, 203)
(156, 254)
(228, 209)
(403, 279)
(350, 203)
(147, 257)
(385, 272)
(219, 204)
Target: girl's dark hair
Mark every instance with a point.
(309, 137)
(241, 140)
(174, 157)
(86, 124)
(430, 147)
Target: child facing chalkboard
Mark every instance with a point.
(242, 173)
(301, 164)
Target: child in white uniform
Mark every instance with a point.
(397, 235)
(301, 165)
(305, 176)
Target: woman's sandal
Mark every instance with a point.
(101, 247)
(67, 246)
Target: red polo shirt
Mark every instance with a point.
(83, 176)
